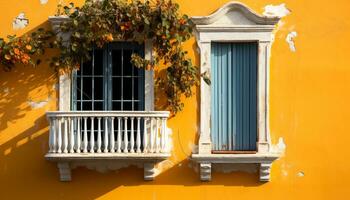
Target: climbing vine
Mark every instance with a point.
(97, 23)
(22, 49)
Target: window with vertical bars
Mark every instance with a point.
(109, 81)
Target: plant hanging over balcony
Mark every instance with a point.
(99, 22)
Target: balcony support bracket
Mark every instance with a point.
(65, 171)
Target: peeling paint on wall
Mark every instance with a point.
(290, 40)
(20, 22)
(43, 1)
(6, 90)
(276, 10)
(37, 104)
(280, 147)
(301, 174)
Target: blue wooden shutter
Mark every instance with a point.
(234, 96)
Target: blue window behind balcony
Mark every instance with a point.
(234, 96)
(109, 81)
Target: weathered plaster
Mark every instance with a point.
(6, 90)
(290, 40)
(280, 147)
(20, 22)
(43, 2)
(276, 10)
(38, 104)
(301, 174)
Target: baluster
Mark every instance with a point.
(157, 138)
(145, 135)
(125, 135)
(119, 137)
(85, 143)
(99, 135)
(132, 141)
(71, 140)
(138, 137)
(152, 137)
(65, 136)
(162, 140)
(106, 136)
(112, 135)
(59, 138)
(52, 135)
(165, 136)
(92, 136)
(78, 135)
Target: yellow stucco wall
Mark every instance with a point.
(310, 97)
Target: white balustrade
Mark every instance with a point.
(75, 132)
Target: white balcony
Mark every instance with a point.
(107, 140)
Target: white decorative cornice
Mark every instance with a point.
(235, 6)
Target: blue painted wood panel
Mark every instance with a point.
(234, 96)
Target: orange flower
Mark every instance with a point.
(28, 47)
(17, 52)
(172, 41)
(109, 37)
(122, 27)
(25, 58)
(7, 57)
(182, 21)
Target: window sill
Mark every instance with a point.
(263, 159)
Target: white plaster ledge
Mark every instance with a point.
(235, 158)
(106, 161)
(263, 159)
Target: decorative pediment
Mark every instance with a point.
(234, 13)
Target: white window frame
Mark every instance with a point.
(235, 22)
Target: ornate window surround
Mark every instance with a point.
(235, 22)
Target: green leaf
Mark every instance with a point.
(75, 22)
(77, 34)
(146, 21)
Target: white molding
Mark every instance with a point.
(232, 7)
(155, 114)
(232, 23)
(64, 92)
(149, 79)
